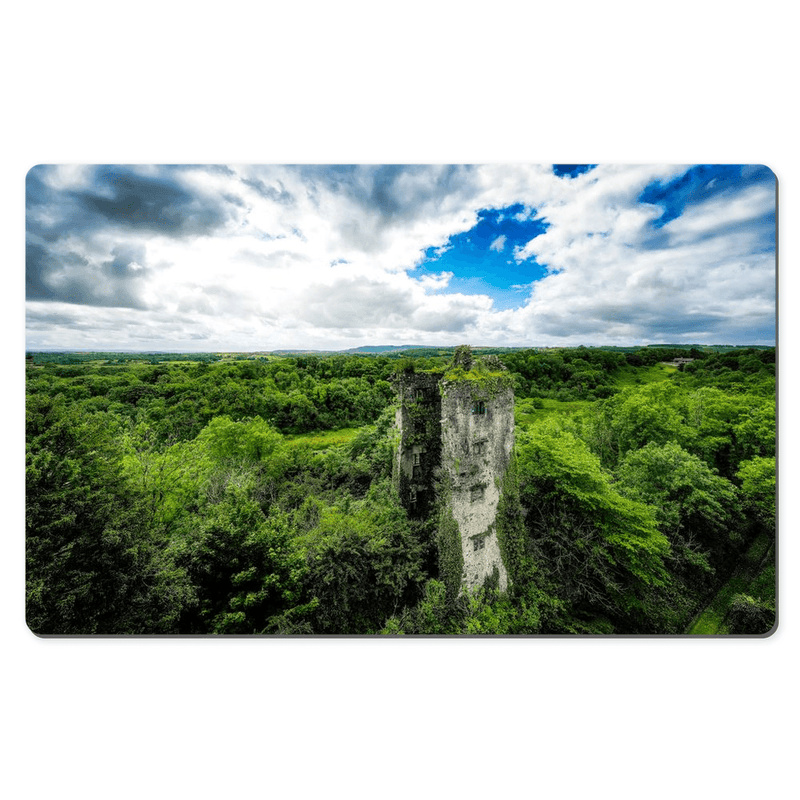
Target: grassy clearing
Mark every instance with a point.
(639, 376)
(712, 619)
(623, 377)
(549, 408)
(322, 440)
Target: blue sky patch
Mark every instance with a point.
(482, 258)
(571, 170)
(699, 184)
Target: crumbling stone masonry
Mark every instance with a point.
(417, 465)
(456, 439)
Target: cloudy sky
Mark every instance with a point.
(244, 258)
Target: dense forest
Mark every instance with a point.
(197, 494)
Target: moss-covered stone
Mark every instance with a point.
(510, 524)
(448, 541)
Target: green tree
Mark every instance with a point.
(168, 478)
(244, 564)
(251, 439)
(694, 507)
(600, 552)
(758, 490)
(756, 430)
(633, 418)
(364, 564)
(91, 566)
(248, 446)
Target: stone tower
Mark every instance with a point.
(456, 439)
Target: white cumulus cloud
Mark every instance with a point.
(266, 257)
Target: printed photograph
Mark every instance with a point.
(401, 400)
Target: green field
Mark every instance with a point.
(550, 407)
(639, 376)
(322, 440)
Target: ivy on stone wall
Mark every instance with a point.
(448, 540)
(476, 385)
(421, 418)
(491, 583)
(511, 525)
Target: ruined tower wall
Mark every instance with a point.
(456, 431)
(477, 441)
(418, 456)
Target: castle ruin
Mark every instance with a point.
(456, 438)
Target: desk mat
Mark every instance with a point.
(428, 400)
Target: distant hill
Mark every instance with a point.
(366, 349)
(716, 348)
(381, 348)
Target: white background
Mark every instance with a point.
(417, 82)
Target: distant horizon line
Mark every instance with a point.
(375, 349)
